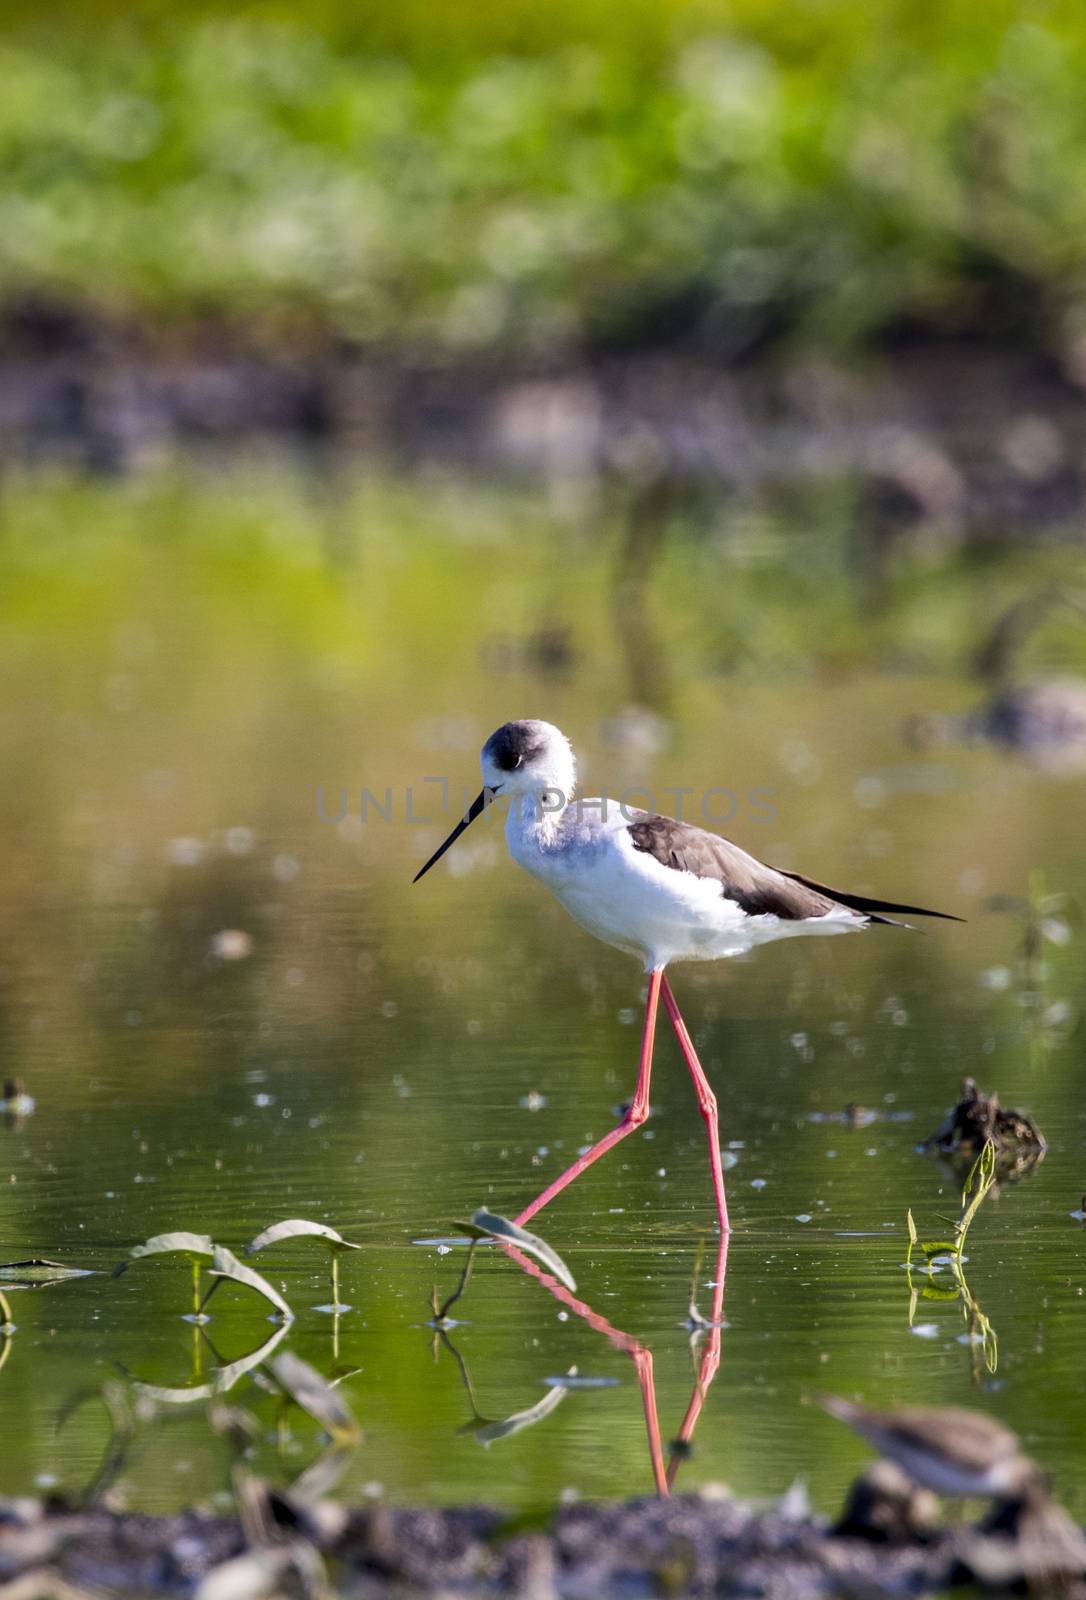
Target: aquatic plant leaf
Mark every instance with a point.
(489, 1222)
(224, 1378)
(196, 1246)
(111, 1394)
(116, 1400)
(299, 1228)
(225, 1264)
(981, 1178)
(38, 1271)
(191, 1244)
(322, 1475)
(933, 1292)
(308, 1389)
(175, 1397)
(491, 1432)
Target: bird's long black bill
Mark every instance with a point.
(476, 809)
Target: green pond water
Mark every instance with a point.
(229, 1009)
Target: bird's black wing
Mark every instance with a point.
(859, 902)
(759, 889)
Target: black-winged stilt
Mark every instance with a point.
(661, 889)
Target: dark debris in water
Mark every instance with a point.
(857, 1116)
(692, 1545)
(977, 1118)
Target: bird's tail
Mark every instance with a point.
(874, 909)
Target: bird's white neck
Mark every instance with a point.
(534, 820)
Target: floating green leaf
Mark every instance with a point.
(116, 1399)
(196, 1247)
(223, 1378)
(180, 1396)
(38, 1272)
(932, 1291)
(322, 1475)
(489, 1224)
(225, 1264)
(308, 1389)
(299, 1228)
(164, 1244)
(491, 1432)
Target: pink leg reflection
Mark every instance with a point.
(710, 1358)
(663, 1476)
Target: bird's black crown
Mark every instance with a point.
(514, 744)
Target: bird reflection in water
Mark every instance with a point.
(705, 1342)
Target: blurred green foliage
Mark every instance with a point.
(521, 177)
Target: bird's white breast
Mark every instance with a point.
(627, 898)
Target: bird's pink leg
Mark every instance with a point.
(637, 1111)
(706, 1102)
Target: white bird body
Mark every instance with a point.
(623, 895)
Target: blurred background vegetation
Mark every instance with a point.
(473, 177)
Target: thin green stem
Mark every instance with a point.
(439, 1316)
(693, 1313)
(979, 1182)
(202, 1307)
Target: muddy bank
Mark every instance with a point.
(685, 1545)
(946, 436)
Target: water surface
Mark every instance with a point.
(185, 672)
